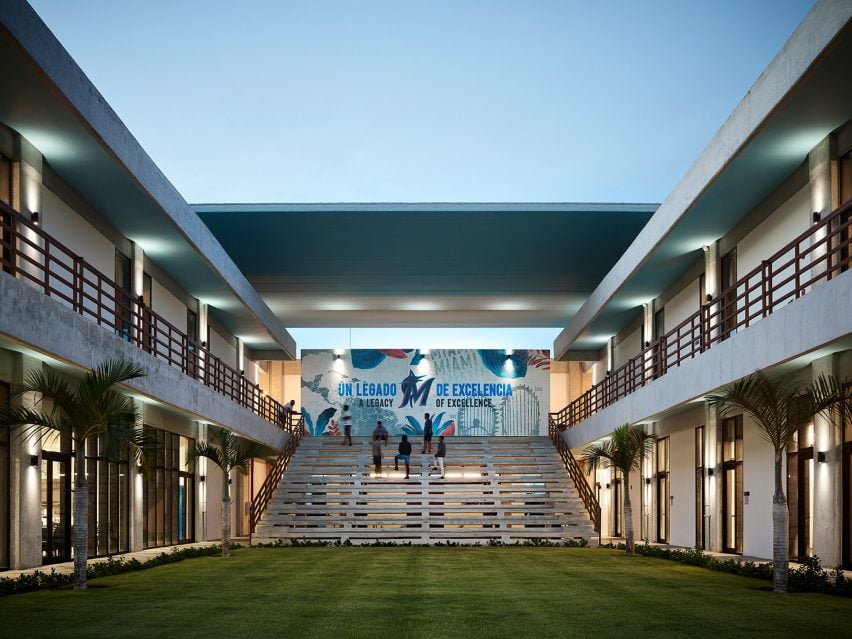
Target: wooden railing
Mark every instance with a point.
(33, 256)
(585, 491)
(819, 254)
(261, 499)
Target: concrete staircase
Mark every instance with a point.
(497, 488)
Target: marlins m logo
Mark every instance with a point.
(412, 391)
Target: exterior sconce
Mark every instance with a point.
(337, 356)
(709, 472)
(202, 478)
(817, 217)
(242, 372)
(203, 344)
(709, 297)
(607, 486)
(647, 344)
(34, 218)
(33, 460)
(608, 373)
(647, 481)
(821, 457)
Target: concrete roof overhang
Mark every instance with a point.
(802, 96)
(47, 98)
(425, 264)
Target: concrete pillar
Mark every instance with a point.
(30, 179)
(819, 172)
(202, 481)
(712, 483)
(25, 481)
(822, 196)
(137, 487)
(827, 504)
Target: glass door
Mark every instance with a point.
(55, 507)
(732, 485)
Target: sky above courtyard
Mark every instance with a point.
(438, 101)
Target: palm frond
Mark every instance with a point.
(50, 384)
(778, 406)
(103, 378)
(29, 422)
(830, 396)
(625, 450)
(209, 451)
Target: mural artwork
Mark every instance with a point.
(466, 392)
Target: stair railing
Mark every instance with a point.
(261, 499)
(585, 491)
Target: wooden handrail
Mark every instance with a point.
(261, 499)
(30, 254)
(820, 253)
(585, 491)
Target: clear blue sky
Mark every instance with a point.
(457, 100)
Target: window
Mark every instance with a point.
(6, 252)
(123, 312)
(4, 482)
(109, 498)
(662, 492)
(731, 448)
(700, 539)
(169, 494)
(800, 473)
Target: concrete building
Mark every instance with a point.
(741, 268)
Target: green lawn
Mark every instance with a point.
(424, 592)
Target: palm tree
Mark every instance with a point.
(780, 408)
(93, 409)
(625, 451)
(228, 451)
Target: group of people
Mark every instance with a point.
(380, 437)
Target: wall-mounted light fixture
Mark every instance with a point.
(817, 217)
(647, 344)
(647, 481)
(242, 372)
(821, 457)
(608, 373)
(709, 472)
(202, 478)
(34, 218)
(709, 297)
(203, 344)
(33, 460)
(607, 486)
(337, 356)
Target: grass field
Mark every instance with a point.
(424, 592)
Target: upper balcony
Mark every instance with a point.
(34, 257)
(799, 270)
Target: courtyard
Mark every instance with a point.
(424, 592)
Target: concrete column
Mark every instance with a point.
(201, 485)
(819, 172)
(711, 270)
(25, 481)
(823, 196)
(827, 504)
(31, 162)
(137, 487)
(712, 484)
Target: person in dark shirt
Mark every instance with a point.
(347, 424)
(440, 454)
(404, 454)
(427, 435)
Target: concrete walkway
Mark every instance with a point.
(67, 568)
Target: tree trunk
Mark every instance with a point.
(780, 530)
(81, 518)
(628, 515)
(226, 514)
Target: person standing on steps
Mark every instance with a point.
(427, 435)
(286, 414)
(347, 424)
(440, 454)
(380, 433)
(377, 455)
(405, 454)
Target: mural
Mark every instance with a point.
(466, 392)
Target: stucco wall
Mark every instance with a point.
(789, 220)
(627, 348)
(682, 305)
(77, 234)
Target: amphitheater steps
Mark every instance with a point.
(499, 488)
